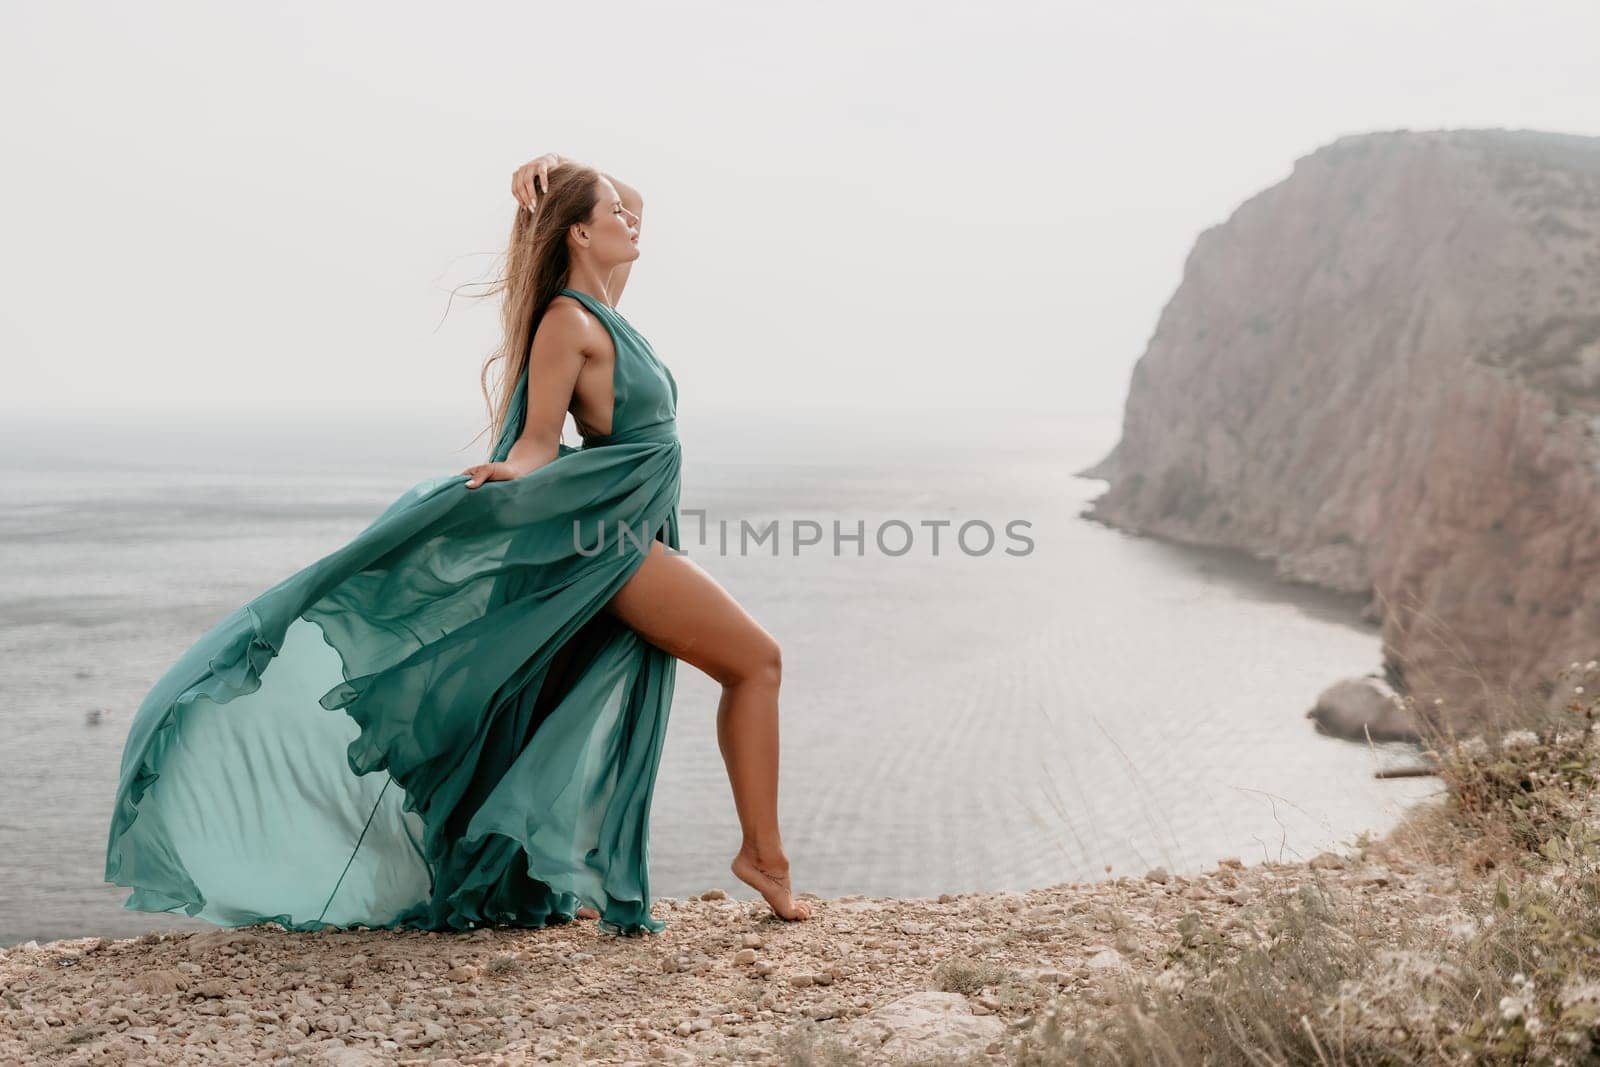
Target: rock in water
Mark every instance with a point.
(1356, 708)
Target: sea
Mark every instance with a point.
(982, 689)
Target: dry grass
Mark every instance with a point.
(1506, 969)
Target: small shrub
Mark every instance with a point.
(503, 965)
(965, 975)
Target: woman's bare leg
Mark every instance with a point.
(676, 606)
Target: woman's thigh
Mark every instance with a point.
(676, 606)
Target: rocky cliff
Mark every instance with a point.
(1383, 373)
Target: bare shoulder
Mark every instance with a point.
(566, 327)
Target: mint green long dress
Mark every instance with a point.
(435, 726)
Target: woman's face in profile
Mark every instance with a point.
(614, 229)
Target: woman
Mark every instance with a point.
(500, 643)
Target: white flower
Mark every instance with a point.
(1519, 739)
(1580, 992)
(1518, 1005)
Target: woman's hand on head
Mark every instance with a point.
(491, 472)
(538, 170)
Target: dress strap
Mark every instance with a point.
(588, 301)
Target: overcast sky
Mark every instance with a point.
(263, 206)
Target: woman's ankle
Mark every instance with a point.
(769, 855)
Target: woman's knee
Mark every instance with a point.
(763, 664)
(772, 664)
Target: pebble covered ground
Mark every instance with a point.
(725, 981)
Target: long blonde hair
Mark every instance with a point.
(536, 265)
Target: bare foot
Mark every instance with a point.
(771, 880)
(587, 912)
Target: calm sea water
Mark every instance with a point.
(951, 721)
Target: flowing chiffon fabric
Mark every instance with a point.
(435, 726)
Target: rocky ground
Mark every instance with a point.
(887, 980)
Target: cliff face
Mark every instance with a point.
(1384, 374)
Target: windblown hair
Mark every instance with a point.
(536, 266)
